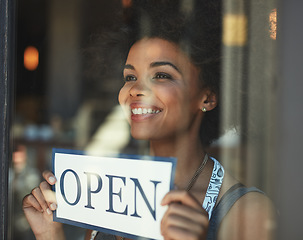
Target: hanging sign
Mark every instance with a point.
(115, 195)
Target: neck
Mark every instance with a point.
(189, 153)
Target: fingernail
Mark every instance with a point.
(51, 179)
(49, 212)
(53, 206)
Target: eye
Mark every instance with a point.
(161, 75)
(129, 78)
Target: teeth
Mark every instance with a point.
(144, 111)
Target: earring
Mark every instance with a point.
(204, 109)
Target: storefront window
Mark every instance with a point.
(66, 99)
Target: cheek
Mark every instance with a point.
(122, 98)
(174, 100)
(122, 95)
(174, 96)
(182, 106)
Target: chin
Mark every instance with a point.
(140, 135)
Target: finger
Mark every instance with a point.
(30, 201)
(179, 233)
(49, 177)
(180, 196)
(184, 223)
(185, 217)
(48, 194)
(37, 194)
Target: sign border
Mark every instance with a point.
(125, 156)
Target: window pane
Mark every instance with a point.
(68, 82)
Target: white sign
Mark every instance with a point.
(120, 196)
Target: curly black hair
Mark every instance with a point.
(194, 25)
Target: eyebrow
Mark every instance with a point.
(129, 66)
(157, 64)
(154, 64)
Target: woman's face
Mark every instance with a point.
(161, 95)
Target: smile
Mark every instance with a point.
(140, 111)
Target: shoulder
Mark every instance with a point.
(251, 217)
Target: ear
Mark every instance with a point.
(208, 101)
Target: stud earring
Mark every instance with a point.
(204, 109)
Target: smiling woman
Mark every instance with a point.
(190, 42)
(171, 97)
(160, 91)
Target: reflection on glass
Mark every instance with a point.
(24, 178)
(273, 24)
(31, 58)
(60, 105)
(234, 29)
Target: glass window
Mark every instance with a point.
(68, 81)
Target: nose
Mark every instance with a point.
(139, 88)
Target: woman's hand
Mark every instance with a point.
(185, 218)
(38, 207)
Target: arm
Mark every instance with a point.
(185, 218)
(38, 207)
(252, 217)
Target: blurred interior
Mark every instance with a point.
(60, 104)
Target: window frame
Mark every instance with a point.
(287, 83)
(7, 58)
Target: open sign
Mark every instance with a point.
(119, 196)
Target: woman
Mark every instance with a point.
(171, 97)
